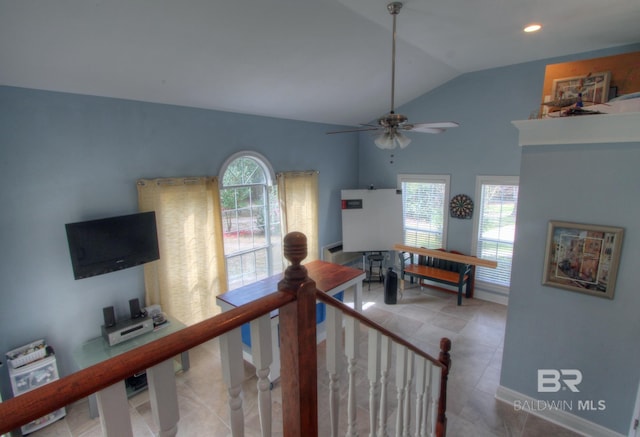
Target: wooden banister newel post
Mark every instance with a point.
(298, 353)
(444, 358)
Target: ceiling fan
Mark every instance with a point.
(391, 125)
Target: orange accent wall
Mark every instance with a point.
(625, 72)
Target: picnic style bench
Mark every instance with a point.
(450, 268)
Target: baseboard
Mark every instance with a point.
(491, 297)
(501, 299)
(558, 416)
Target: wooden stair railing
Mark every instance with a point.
(296, 301)
(34, 404)
(298, 349)
(415, 372)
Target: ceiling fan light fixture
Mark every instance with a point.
(391, 139)
(402, 140)
(384, 141)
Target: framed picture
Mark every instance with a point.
(594, 88)
(582, 258)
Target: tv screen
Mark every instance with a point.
(110, 244)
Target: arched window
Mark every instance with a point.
(250, 219)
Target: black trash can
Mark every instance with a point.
(391, 287)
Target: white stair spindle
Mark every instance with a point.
(385, 363)
(421, 367)
(233, 374)
(401, 381)
(334, 363)
(373, 373)
(407, 395)
(426, 408)
(435, 397)
(261, 351)
(351, 351)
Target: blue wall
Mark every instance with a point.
(552, 328)
(67, 158)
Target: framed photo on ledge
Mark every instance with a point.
(582, 258)
(593, 87)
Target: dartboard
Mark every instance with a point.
(461, 206)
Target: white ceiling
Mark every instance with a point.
(316, 60)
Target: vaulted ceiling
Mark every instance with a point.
(324, 61)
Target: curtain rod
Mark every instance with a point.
(296, 173)
(173, 181)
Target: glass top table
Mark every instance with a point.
(111, 403)
(96, 350)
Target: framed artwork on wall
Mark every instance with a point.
(593, 88)
(582, 258)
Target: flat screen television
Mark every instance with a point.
(113, 243)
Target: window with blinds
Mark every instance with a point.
(424, 206)
(495, 226)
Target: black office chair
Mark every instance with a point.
(375, 261)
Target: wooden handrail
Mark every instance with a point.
(449, 256)
(330, 300)
(29, 406)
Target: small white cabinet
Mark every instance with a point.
(31, 376)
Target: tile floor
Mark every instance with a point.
(476, 330)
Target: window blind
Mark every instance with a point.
(423, 211)
(496, 231)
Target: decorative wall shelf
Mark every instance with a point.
(585, 129)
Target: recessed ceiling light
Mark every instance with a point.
(532, 28)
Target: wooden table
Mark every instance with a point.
(330, 278)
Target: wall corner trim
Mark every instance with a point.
(557, 416)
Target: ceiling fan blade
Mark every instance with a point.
(353, 130)
(428, 130)
(437, 125)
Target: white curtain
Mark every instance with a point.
(191, 270)
(298, 192)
